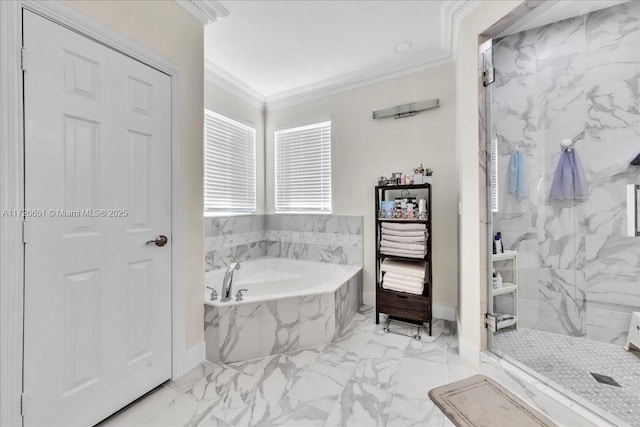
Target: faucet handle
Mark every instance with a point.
(239, 294)
(214, 294)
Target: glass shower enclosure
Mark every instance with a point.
(563, 136)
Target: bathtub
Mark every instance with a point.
(289, 305)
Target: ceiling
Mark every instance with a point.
(275, 49)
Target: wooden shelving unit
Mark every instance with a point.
(403, 306)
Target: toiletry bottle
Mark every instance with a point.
(497, 244)
(495, 280)
(498, 280)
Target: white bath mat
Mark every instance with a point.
(478, 401)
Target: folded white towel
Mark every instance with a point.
(400, 233)
(409, 268)
(404, 277)
(402, 252)
(402, 283)
(402, 289)
(404, 239)
(404, 246)
(404, 226)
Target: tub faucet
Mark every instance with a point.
(228, 281)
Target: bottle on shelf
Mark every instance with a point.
(497, 244)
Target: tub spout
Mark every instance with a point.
(228, 281)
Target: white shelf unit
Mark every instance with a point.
(510, 287)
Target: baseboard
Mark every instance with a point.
(369, 298)
(445, 312)
(194, 356)
(468, 351)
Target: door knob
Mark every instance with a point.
(158, 241)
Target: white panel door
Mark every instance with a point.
(97, 298)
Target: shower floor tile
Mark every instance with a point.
(576, 363)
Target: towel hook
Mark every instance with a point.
(566, 144)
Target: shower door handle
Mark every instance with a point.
(633, 210)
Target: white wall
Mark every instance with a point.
(363, 148)
(222, 102)
(472, 294)
(168, 30)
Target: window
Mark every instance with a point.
(303, 169)
(229, 165)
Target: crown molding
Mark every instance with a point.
(205, 11)
(353, 80)
(221, 78)
(452, 12)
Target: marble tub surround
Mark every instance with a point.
(579, 79)
(324, 386)
(250, 329)
(230, 239)
(335, 239)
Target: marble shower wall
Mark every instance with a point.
(335, 239)
(577, 79)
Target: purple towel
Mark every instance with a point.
(569, 182)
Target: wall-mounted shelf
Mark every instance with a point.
(510, 287)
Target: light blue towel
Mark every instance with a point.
(518, 175)
(569, 182)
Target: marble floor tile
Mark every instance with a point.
(431, 351)
(142, 409)
(365, 378)
(356, 341)
(184, 411)
(321, 387)
(361, 404)
(416, 377)
(189, 379)
(380, 359)
(294, 413)
(405, 412)
(252, 367)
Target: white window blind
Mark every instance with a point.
(494, 175)
(229, 165)
(303, 169)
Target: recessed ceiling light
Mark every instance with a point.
(403, 46)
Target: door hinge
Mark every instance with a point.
(23, 404)
(23, 58)
(488, 76)
(491, 322)
(25, 231)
